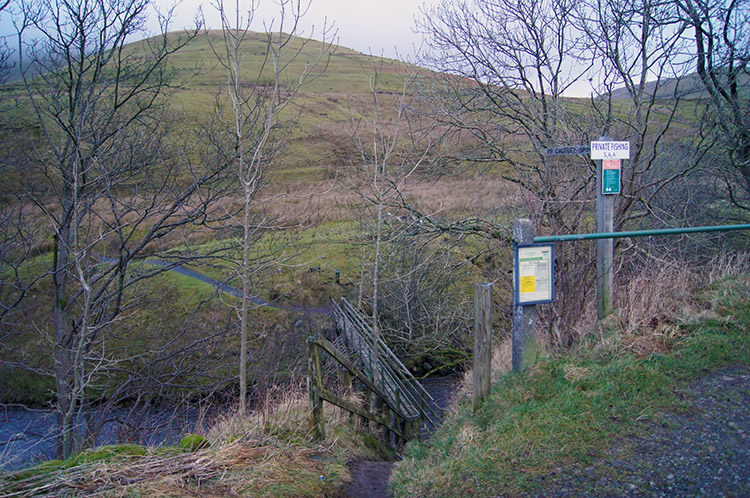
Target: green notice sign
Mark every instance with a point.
(611, 176)
(611, 181)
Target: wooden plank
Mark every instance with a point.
(392, 386)
(401, 375)
(482, 371)
(330, 349)
(346, 405)
(388, 391)
(366, 327)
(524, 317)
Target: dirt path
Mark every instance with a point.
(370, 479)
(701, 451)
(225, 287)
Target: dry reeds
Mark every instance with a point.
(247, 456)
(654, 303)
(652, 307)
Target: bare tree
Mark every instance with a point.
(510, 69)
(642, 53)
(114, 182)
(719, 31)
(258, 130)
(395, 143)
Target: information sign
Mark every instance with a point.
(610, 150)
(534, 276)
(610, 176)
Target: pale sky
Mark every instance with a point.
(369, 26)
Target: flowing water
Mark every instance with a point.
(27, 436)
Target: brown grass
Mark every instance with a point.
(268, 453)
(654, 304)
(652, 307)
(336, 199)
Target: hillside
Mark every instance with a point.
(652, 410)
(586, 423)
(317, 251)
(121, 261)
(687, 87)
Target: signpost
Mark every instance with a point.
(568, 150)
(608, 155)
(524, 315)
(606, 149)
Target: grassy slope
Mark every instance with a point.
(566, 411)
(342, 81)
(320, 142)
(570, 408)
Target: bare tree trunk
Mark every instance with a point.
(257, 133)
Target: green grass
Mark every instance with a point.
(346, 70)
(570, 408)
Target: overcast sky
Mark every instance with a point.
(369, 26)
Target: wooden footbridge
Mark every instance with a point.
(393, 398)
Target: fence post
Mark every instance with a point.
(524, 317)
(314, 386)
(482, 373)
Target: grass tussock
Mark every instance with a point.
(570, 407)
(268, 453)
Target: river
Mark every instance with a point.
(27, 436)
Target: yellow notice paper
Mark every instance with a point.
(527, 283)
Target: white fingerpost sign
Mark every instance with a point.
(610, 150)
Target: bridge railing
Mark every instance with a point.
(406, 405)
(383, 365)
(402, 425)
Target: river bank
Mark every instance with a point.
(27, 435)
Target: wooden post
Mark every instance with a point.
(314, 387)
(524, 317)
(482, 373)
(347, 386)
(397, 416)
(368, 404)
(604, 247)
(346, 382)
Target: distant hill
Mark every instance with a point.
(347, 70)
(685, 87)
(196, 65)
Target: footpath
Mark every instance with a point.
(370, 478)
(703, 451)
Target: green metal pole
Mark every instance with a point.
(639, 233)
